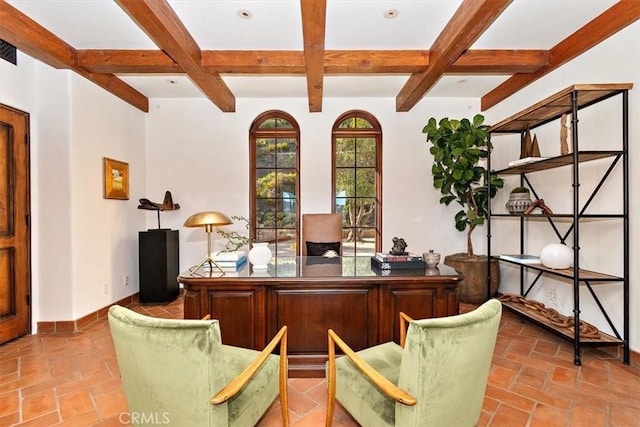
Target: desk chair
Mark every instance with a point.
(437, 379)
(323, 230)
(178, 372)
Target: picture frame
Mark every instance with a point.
(116, 179)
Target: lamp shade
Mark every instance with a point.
(209, 218)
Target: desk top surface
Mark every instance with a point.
(352, 267)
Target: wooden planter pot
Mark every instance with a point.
(473, 289)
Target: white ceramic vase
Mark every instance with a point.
(431, 258)
(556, 256)
(260, 255)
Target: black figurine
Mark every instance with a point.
(399, 246)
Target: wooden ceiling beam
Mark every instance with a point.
(254, 62)
(375, 61)
(40, 44)
(314, 15)
(33, 39)
(127, 61)
(158, 20)
(342, 62)
(608, 23)
(469, 21)
(499, 61)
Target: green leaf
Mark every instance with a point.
(446, 200)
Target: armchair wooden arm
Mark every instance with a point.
(239, 381)
(404, 319)
(385, 386)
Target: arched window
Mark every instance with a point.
(275, 165)
(357, 181)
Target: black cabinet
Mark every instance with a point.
(158, 257)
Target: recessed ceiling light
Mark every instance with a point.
(391, 13)
(244, 13)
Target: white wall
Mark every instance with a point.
(104, 238)
(82, 244)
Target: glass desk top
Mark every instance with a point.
(297, 267)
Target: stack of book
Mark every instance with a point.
(230, 261)
(383, 261)
(521, 259)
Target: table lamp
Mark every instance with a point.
(208, 220)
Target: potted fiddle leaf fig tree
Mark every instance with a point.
(458, 146)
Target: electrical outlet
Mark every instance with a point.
(551, 294)
(126, 280)
(105, 288)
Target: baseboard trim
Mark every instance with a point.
(58, 326)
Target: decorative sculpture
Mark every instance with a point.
(166, 205)
(535, 149)
(564, 131)
(399, 246)
(538, 204)
(526, 144)
(529, 147)
(587, 330)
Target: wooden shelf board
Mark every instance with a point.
(536, 317)
(584, 275)
(556, 105)
(555, 215)
(555, 162)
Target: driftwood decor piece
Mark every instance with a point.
(587, 330)
(564, 132)
(166, 205)
(538, 204)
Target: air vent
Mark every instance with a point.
(8, 52)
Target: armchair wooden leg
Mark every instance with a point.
(284, 369)
(331, 383)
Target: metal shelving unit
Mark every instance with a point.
(570, 101)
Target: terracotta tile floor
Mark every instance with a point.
(72, 379)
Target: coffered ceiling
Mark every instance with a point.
(313, 49)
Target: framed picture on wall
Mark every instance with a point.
(116, 179)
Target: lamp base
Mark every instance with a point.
(212, 264)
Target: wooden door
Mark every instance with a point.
(15, 275)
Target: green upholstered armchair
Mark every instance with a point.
(178, 372)
(438, 378)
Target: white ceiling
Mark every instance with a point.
(277, 25)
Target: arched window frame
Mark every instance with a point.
(256, 133)
(374, 132)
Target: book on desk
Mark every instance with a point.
(414, 264)
(232, 264)
(228, 255)
(387, 257)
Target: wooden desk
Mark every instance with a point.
(311, 295)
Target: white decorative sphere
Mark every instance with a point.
(556, 256)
